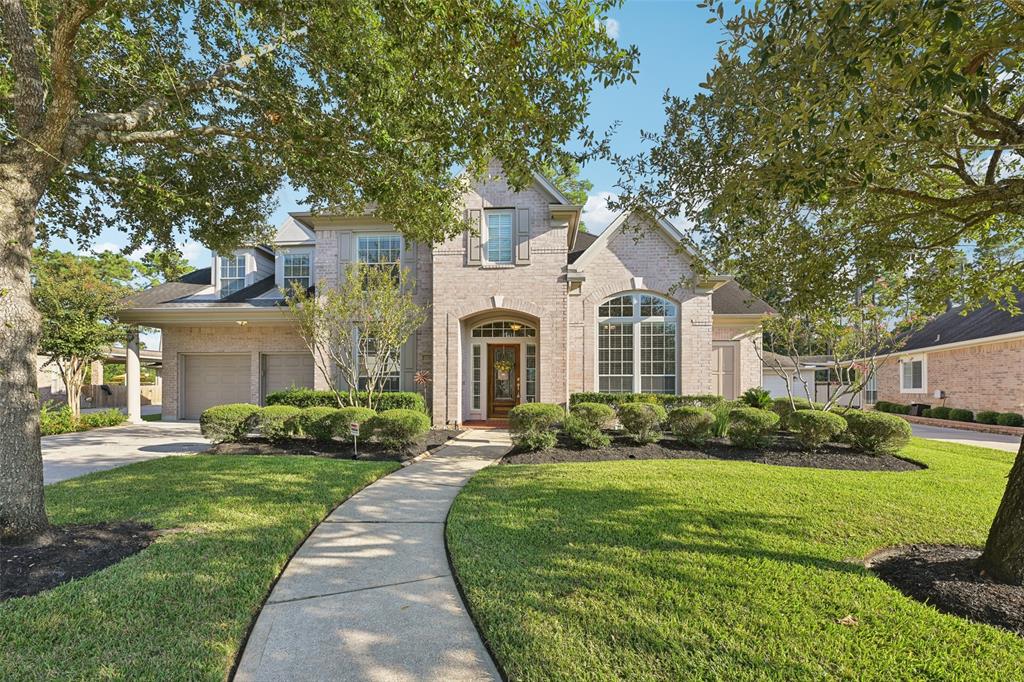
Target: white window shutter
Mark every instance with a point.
(522, 229)
(473, 239)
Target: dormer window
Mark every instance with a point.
(296, 270)
(498, 248)
(232, 274)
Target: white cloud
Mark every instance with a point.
(106, 246)
(194, 252)
(610, 26)
(596, 213)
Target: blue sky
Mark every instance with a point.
(677, 48)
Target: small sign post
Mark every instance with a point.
(353, 428)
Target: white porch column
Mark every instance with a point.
(133, 377)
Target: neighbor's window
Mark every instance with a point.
(382, 251)
(913, 375)
(636, 344)
(296, 270)
(232, 274)
(871, 390)
(498, 248)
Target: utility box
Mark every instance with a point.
(917, 409)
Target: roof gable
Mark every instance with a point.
(953, 326)
(293, 233)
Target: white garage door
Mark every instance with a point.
(282, 371)
(214, 380)
(723, 370)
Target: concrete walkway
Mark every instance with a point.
(965, 437)
(370, 595)
(74, 454)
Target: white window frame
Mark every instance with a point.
(359, 237)
(244, 278)
(284, 266)
(486, 238)
(923, 359)
(871, 389)
(636, 320)
(393, 378)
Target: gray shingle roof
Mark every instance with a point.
(953, 326)
(177, 294)
(732, 299)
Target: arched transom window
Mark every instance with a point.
(636, 344)
(504, 329)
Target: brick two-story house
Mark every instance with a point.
(525, 308)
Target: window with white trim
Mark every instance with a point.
(383, 251)
(871, 390)
(531, 373)
(295, 269)
(477, 371)
(232, 274)
(912, 375)
(498, 244)
(391, 374)
(636, 344)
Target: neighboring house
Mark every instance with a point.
(526, 309)
(973, 361)
(51, 386)
(817, 377)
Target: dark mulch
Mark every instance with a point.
(947, 577)
(338, 449)
(72, 552)
(784, 452)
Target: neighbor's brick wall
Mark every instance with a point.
(661, 270)
(533, 291)
(252, 338)
(749, 362)
(982, 377)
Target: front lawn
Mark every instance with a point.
(696, 569)
(180, 608)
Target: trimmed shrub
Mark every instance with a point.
(531, 425)
(691, 425)
(642, 421)
(56, 419)
(397, 429)
(897, 408)
(1010, 419)
(582, 431)
(882, 405)
(275, 422)
(784, 408)
(757, 397)
(987, 417)
(960, 415)
(939, 412)
(814, 428)
(876, 433)
(314, 422)
(307, 397)
(227, 423)
(345, 416)
(750, 427)
(111, 417)
(665, 400)
(597, 415)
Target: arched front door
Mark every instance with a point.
(503, 385)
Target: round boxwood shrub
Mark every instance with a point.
(1010, 419)
(814, 428)
(691, 425)
(397, 429)
(313, 422)
(939, 412)
(785, 407)
(531, 425)
(642, 421)
(275, 422)
(877, 434)
(750, 427)
(597, 415)
(987, 417)
(342, 419)
(583, 431)
(960, 415)
(226, 423)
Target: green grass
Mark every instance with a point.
(180, 608)
(152, 417)
(690, 569)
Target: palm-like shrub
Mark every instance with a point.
(642, 421)
(750, 427)
(814, 428)
(531, 425)
(757, 397)
(877, 433)
(691, 425)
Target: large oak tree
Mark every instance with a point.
(172, 117)
(835, 142)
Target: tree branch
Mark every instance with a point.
(156, 136)
(29, 93)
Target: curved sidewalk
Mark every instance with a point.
(370, 595)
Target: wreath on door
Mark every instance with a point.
(503, 366)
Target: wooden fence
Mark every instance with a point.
(115, 395)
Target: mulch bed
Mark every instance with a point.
(947, 577)
(72, 552)
(339, 449)
(784, 452)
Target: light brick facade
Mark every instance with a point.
(982, 376)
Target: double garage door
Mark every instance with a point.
(220, 378)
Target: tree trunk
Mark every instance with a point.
(1003, 557)
(22, 514)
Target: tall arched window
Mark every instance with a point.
(636, 344)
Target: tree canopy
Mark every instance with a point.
(836, 141)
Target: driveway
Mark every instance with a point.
(964, 437)
(74, 454)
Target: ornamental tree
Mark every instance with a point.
(836, 141)
(185, 117)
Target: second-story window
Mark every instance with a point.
(296, 270)
(498, 247)
(232, 274)
(381, 251)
